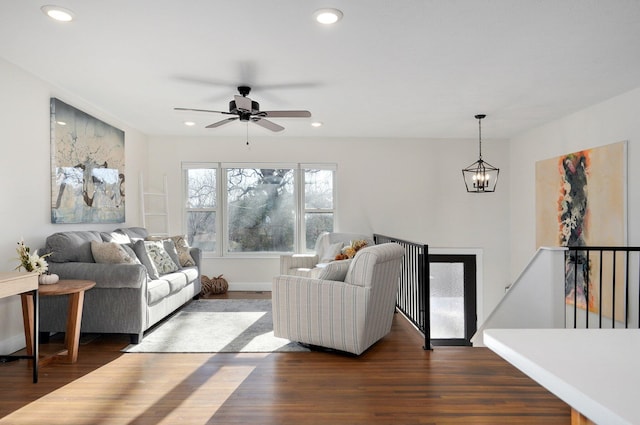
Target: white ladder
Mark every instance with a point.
(156, 218)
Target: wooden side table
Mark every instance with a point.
(75, 289)
(14, 283)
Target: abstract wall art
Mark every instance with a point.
(87, 168)
(581, 200)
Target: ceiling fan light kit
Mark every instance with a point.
(245, 109)
(480, 177)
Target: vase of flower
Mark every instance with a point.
(35, 263)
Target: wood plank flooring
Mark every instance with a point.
(394, 382)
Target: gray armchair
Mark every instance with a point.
(349, 315)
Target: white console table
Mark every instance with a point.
(16, 283)
(595, 371)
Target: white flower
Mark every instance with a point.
(31, 262)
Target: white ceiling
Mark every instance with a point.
(404, 68)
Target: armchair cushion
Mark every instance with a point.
(335, 270)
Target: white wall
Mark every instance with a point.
(608, 122)
(407, 188)
(25, 209)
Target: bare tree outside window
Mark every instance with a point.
(261, 209)
(201, 208)
(318, 204)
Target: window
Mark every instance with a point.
(259, 208)
(318, 204)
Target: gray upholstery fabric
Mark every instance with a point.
(71, 246)
(134, 233)
(124, 299)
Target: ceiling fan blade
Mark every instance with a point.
(219, 123)
(286, 114)
(202, 110)
(243, 103)
(269, 125)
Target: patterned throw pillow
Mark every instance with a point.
(161, 259)
(182, 248)
(141, 252)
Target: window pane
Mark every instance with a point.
(447, 300)
(261, 209)
(201, 229)
(318, 190)
(316, 223)
(201, 185)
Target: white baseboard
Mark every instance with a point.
(12, 344)
(250, 286)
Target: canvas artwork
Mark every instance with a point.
(581, 201)
(87, 168)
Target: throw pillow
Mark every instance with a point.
(110, 253)
(170, 247)
(330, 253)
(158, 255)
(182, 247)
(335, 270)
(141, 253)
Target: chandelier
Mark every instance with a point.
(480, 177)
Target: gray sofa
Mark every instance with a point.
(128, 297)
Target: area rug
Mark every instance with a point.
(217, 326)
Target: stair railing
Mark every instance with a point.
(604, 282)
(413, 285)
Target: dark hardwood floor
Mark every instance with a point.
(394, 382)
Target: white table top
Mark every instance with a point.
(595, 371)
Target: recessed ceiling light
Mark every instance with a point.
(61, 123)
(327, 16)
(189, 123)
(58, 13)
(316, 124)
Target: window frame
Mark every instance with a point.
(221, 202)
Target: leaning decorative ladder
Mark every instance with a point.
(154, 209)
(413, 285)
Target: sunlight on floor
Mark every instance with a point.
(191, 391)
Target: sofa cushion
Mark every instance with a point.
(134, 233)
(110, 253)
(161, 259)
(141, 253)
(71, 246)
(157, 290)
(116, 236)
(176, 280)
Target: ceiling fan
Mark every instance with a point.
(246, 109)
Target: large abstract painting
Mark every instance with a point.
(581, 201)
(87, 168)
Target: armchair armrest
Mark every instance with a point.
(295, 261)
